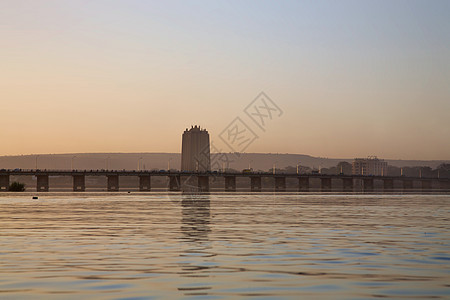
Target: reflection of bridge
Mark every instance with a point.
(203, 178)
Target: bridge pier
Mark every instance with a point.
(230, 183)
(255, 183)
(444, 184)
(368, 184)
(42, 183)
(203, 183)
(113, 183)
(426, 185)
(388, 185)
(79, 184)
(4, 182)
(325, 184)
(347, 184)
(303, 184)
(174, 182)
(407, 184)
(144, 183)
(280, 184)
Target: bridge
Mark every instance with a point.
(201, 180)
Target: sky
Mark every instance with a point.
(349, 78)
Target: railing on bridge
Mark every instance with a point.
(177, 180)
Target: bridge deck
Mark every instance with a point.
(210, 174)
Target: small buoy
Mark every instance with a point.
(35, 197)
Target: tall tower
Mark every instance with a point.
(195, 150)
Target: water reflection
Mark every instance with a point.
(224, 246)
(196, 253)
(196, 217)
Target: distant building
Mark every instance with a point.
(195, 154)
(369, 166)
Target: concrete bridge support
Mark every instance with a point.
(426, 185)
(388, 185)
(79, 184)
(144, 183)
(280, 184)
(368, 184)
(255, 182)
(230, 183)
(4, 182)
(203, 183)
(407, 184)
(347, 184)
(113, 183)
(444, 184)
(42, 183)
(303, 184)
(325, 184)
(174, 183)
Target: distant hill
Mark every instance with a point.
(149, 161)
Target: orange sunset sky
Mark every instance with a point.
(353, 78)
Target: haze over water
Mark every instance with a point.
(311, 80)
(151, 246)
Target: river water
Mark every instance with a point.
(168, 246)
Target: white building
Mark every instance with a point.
(369, 166)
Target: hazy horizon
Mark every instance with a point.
(162, 160)
(242, 153)
(351, 78)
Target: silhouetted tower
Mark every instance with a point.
(195, 150)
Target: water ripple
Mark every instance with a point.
(122, 246)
